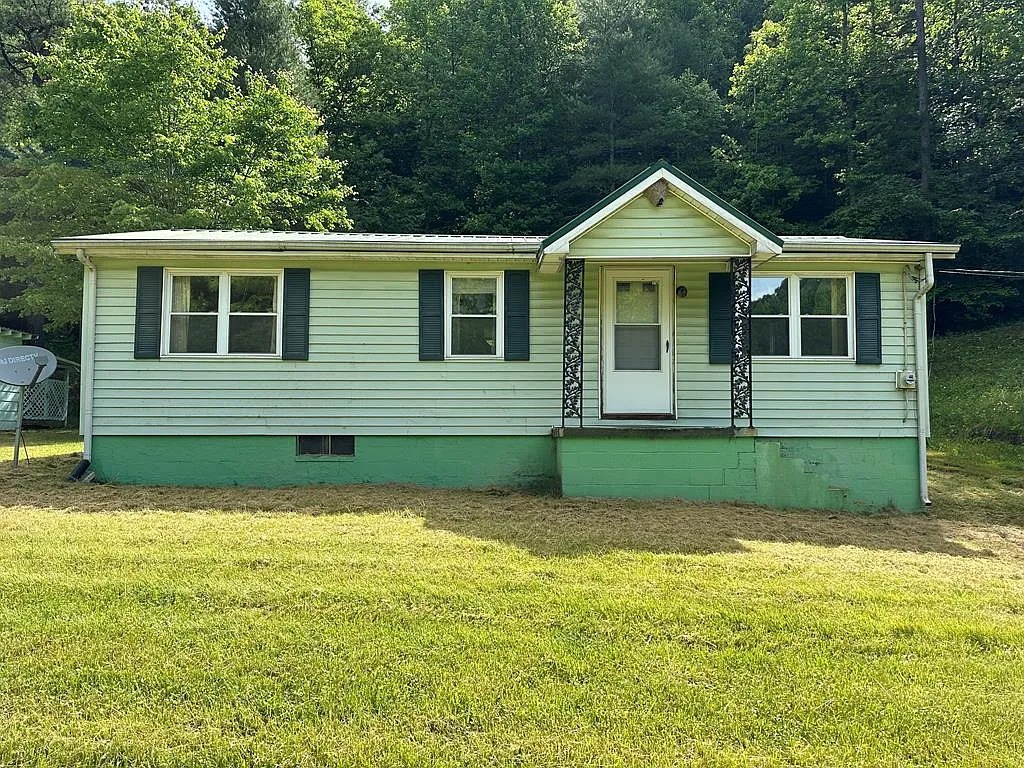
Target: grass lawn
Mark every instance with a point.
(976, 387)
(396, 626)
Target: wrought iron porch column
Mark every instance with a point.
(742, 369)
(572, 342)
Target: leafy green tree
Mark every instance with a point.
(26, 29)
(630, 107)
(976, 57)
(449, 117)
(138, 125)
(705, 37)
(261, 34)
(364, 83)
(825, 100)
(490, 107)
(846, 127)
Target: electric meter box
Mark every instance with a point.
(906, 380)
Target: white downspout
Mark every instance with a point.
(88, 352)
(921, 363)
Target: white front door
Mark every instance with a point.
(637, 342)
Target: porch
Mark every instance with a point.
(661, 347)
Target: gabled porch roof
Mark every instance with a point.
(759, 239)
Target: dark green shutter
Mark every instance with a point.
(517, 314)
(868, 304)
(149, 284)
(720, 317)
(295, 324)
(431, 314)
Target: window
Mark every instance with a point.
(474, 326)
(824, 317)
(800, 316)
(325, 445)
(769, 316)
(222, 314)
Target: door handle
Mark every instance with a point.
(666, 346)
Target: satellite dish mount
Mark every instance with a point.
(24, 367)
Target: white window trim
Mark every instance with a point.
(223, 312)
(499, 316)
(794, 314)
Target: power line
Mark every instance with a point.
(1013, 274)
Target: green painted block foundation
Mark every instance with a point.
(812, 473)
(218, 460)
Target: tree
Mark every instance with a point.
(260, 34)
(630, 107)
(27, 27)
(138, 125)
(825, 102)
(491, 106)
(859, 118)
(364, 83)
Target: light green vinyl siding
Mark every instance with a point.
(363, 375)
(9, 339)
(642, 230)
(791, 397)
(840, 398)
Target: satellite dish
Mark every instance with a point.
(22, 366)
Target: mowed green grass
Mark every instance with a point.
(397, 626)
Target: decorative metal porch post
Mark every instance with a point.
(572, 342)
(741, 370)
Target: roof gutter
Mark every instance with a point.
(921, 363)
(88, 351)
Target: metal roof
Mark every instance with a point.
(841, 244)
(276, 240)
(273, 242)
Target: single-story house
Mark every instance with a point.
(661, 344)
(9, 337)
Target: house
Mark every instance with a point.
(660, 344)
(12, 338)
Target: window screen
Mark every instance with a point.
(325, 445)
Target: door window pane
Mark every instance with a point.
(769, 296)
(822, 296)
(474, 295)
(255, 334)
(193, 334)
(254, 293)
(636, 301)
(474, 336)
(823, 337)
(769, 336)
(194, 293)
(638, 347)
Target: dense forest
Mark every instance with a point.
(888, 118)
